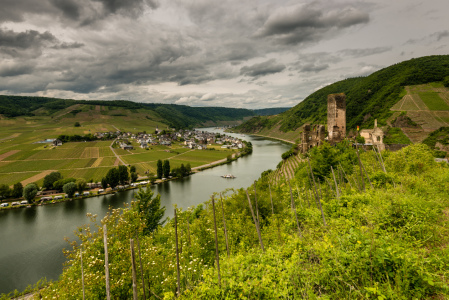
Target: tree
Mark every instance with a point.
(29, 192)
(50, 179)
(17, 190)
(70, 189)
(123, 175)
(81, 185)
(104, 183)
(134, 176)
(58, 185)
(132, 169)
(188, 169)
(159, 169)
(166, 168)
(360, 139)
(150, 209)
(112, 177)
(77, 124)
(5, 191)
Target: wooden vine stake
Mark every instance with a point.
(255, 222)
(336, 184)
(277, 219)
(224, 225)
(106, 262)
(319, 201)
(177, 255)
(217, 255)
(294, 209)
(133, 264)
(255, 200)
(141, 268)
(82, 271)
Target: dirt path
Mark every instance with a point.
(36, 177)
(11, 136)
(9, 153)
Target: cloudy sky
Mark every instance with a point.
(233, 53)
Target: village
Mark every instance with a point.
(192, 139)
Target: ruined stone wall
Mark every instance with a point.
(312, 136)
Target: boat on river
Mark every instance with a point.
(229, 176)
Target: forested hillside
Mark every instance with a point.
(367, 98)
(178, 116)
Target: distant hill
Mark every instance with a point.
(177, 116)
(270, 111)
(367, 98)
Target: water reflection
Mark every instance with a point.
(29, 214)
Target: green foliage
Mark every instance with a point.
(394, 135)
(81, 185)
(166, 168)
(104, 183)
(77, 124)
(134, 176)
(123, 174)
(270, 111)
(59, 184)
(4, 191)
(160, 170)
(70, 188)
(29, 192)
(149, 209)
(50, 179)
(17, 190)
(413, 159)
(440, 135)
(113, 177)
(446, 81)
(360, 139)
(433, 101)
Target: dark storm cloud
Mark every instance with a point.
(8, 70)
(65, 45)
(24, 40)
(28, 44)
(314, 68)
(265, 68)
(310, 22)
(364, 52)
(82, 12)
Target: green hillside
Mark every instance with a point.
(178, 116)
(367, 98)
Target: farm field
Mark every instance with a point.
(23, 159)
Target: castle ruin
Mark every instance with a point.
(336, 117)
(312, 136)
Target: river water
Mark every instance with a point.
(32, 239)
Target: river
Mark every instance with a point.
(32, 239)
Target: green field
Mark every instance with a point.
(23, 160)
(433, 101)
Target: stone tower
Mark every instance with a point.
(336, 117)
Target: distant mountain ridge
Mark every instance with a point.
(177, 116)
(367, 98)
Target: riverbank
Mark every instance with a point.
(96, 193)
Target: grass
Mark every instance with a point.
(433, 101)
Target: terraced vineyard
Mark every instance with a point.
(428, 106)
(286, 171)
